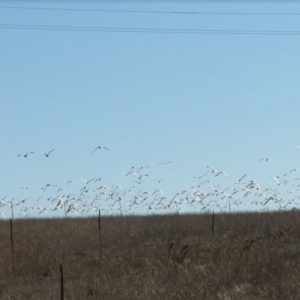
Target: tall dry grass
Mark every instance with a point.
(250, 256)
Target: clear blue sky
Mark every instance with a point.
(228, 100)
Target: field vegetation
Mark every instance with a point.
(246, 256)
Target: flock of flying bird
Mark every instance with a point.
(49, 152)
(207, 194)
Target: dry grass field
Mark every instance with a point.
(251, 256)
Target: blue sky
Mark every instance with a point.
(227, 100)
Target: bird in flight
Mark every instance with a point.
(242, 178)
(47, 153)
(221, 172)
(100, 147)
(87, 181)
(158, 181)
(199, 177)
(276, 179)
(26, 154)
(266, 159)
(26, 187)
(126, 174)
(139, 182)
(165, 163)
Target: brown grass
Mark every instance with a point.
(252, 256)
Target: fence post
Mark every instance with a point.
(61, 283)
(213, 225)
(99, 232)
(12, 247)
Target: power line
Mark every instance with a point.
(148, 30)
(152, 11)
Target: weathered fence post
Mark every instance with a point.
(213, 225)
(61, 283)
(12, 247)
(99, 232)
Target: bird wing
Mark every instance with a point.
(243, 177)
(90, 180)
(96, 149)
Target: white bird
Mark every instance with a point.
(126, 174)
(140, 176)
(21, 202)
(207, 165)
(48, 185)
(165, 163)
(221, 172)
(139, 182)
(158, 181)
(242, 178)
(266, 159)
(47, 153)
(26, 154)
(87, 181)
(140, 168)
(100, 147)
(199, 177)
(276, 179)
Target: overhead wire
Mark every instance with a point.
(152, 11)
(148, 30)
